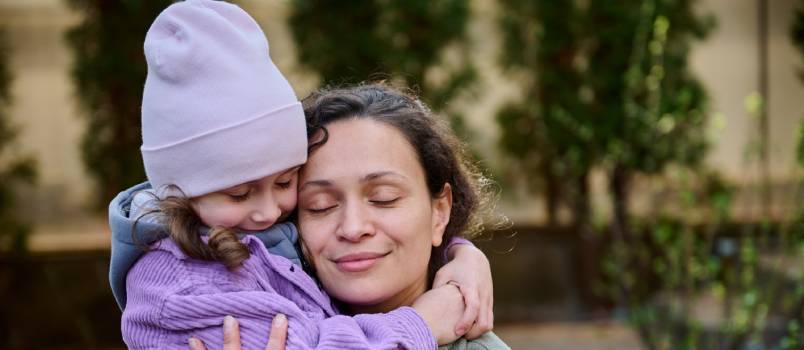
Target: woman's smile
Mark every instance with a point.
(358, 262)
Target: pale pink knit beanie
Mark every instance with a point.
(216, 112)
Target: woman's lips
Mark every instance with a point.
(358, 262)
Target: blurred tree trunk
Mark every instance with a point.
(620, 179)
(15, 169)
(109, 72)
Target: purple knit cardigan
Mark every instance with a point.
(172, 297)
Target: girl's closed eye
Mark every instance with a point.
(287, 179)
(239, 194)
(284, 184)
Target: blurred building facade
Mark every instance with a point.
(51, 124)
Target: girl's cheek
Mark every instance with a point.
(288, 200)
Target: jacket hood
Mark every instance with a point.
(129, 243)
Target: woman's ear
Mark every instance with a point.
(442, 207)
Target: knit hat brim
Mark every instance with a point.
(231, 156)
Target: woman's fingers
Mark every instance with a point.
(279, 333)
(231, 334)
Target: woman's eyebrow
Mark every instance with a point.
(381, 174)
(315, 183)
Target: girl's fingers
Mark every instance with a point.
(485, 320)
(470, 313)
(480, 327)
(279, 333)
(440, 279)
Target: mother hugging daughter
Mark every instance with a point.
(382, 201)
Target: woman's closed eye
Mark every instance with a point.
(384, 201)
(384, 195)
(319, 204)
(320, 209)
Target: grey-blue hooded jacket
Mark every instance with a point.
(128, 246)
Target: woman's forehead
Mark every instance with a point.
(362, 148)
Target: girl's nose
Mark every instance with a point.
(266, 211)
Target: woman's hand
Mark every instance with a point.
(441, 308)
(231, 335)
(470, 270)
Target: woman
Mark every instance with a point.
(386, 183)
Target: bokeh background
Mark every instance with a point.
(649, 155)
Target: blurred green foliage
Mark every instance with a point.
(417, 43)
(604, 84)
(14, 168)
(109, 72)
(741, 288)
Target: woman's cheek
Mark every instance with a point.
(313, 232)
(398, 222)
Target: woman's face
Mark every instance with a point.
(366, 217)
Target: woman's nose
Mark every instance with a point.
(355, 224)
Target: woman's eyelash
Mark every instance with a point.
(284, 185)
(320, 210)
(385, 202)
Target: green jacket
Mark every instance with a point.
(488, 341)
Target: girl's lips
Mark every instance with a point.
(358, 262)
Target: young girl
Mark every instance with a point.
(223, 138)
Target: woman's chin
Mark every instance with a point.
(359, 295)
(362, 298)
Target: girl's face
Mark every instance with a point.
(252, 206)
(366, 218)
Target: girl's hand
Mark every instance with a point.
(441, 308)
(231, 335)
(470, 271)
